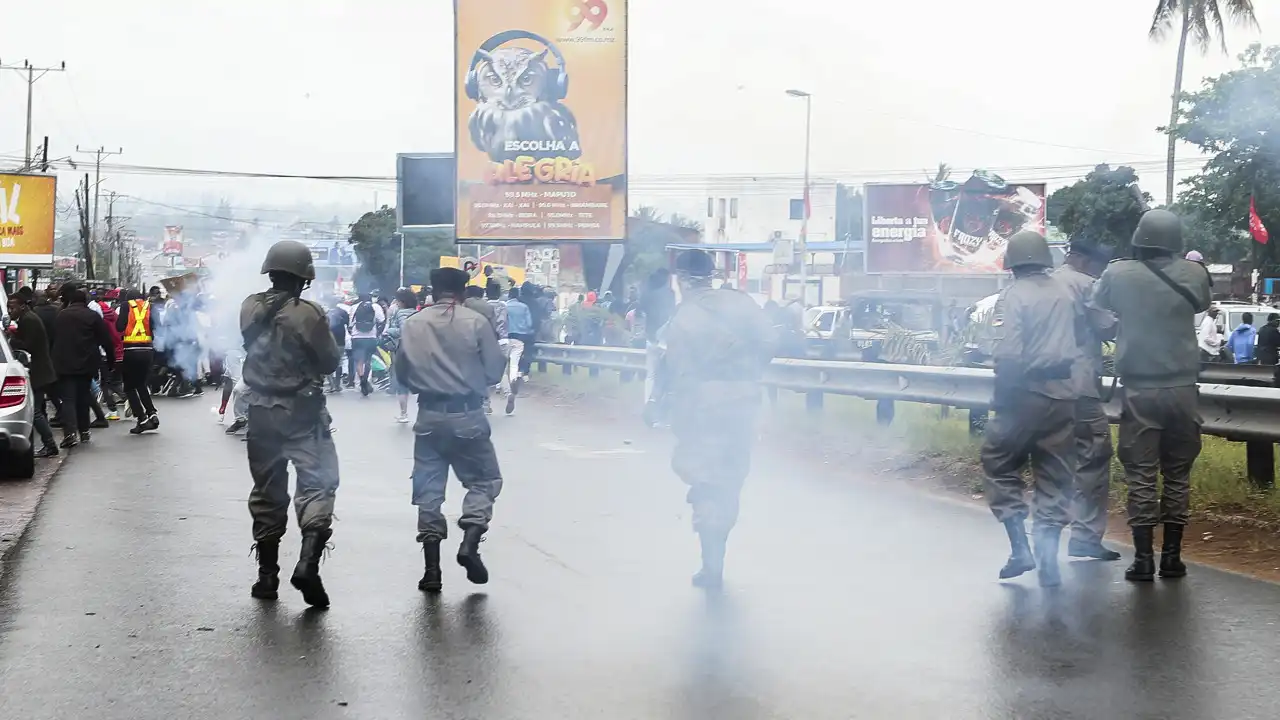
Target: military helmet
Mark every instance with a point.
(1160, 230)
(290, 256)
(695, 263)
(1027, 248)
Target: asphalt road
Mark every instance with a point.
(847, 597)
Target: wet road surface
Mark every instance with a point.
(846, 597)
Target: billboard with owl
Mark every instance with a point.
(541, 158)
(948, 227)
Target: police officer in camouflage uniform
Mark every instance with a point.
(718, 343)
(289, 350)
(1034, 350)
(1156, 296)
(1092, 492)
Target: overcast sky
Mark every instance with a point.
(338, 87)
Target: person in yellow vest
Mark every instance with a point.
(134, 323)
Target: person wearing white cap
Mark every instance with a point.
(1195, 256)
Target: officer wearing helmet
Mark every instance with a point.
(1034, 348)
(1156, 296)
(289, 350)
(718, 343)
(1086, 259)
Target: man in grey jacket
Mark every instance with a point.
(449, 356)
(1156, 296)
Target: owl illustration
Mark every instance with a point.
(518, 113)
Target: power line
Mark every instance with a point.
(31, 83)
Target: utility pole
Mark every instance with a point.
(100, 153)
(30, 70)
(86, 243)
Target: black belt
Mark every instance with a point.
(450, 403)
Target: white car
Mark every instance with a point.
(17, 412)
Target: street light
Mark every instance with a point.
(804, 216)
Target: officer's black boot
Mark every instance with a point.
(1143, 568)
(306, 575)
(1020, 558)
(469, 556)
(711, 576)
(430, 581)
(1090, 548)
(1046, 554)
(1171, 565)
(268, 571)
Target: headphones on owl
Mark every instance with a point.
(558, 79)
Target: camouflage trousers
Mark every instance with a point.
(1159, 432)
(1033, 429)
(278, 436)
(714, 433)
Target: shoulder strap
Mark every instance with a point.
(254, 331)
(1184, 292)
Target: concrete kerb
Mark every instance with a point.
(19, 502)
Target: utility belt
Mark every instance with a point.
(439, 402)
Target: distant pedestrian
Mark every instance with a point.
(31, 337)
(655, 306)
(520, 330)
(449, 356)
(78, 335)
(1243, 339)
(402, 309)
(138, 337)
(1269, 341)
(1209, 336)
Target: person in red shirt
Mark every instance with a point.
(112, 383)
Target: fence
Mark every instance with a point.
(1233, 404)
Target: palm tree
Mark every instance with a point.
(1202, 21)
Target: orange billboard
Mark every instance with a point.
(27, 214)
(541, 120)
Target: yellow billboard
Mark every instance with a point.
(27, 213)
(540, 158)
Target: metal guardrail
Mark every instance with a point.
(1237, 411)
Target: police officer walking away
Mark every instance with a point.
(1156, 296)
(1034, 350)
(1092, 492)
(449, 356)
(289, 350)
(718, 343)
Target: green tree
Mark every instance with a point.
(374, 238)
(1105, 206)
(1201, 21)
(1233, 118)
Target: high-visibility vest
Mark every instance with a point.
(138, 331)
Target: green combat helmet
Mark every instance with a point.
(1027, 248)
(290, 256)
(1159, 230)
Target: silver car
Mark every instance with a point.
(17, 411)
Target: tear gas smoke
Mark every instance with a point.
(207, 321)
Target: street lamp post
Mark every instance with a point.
(804, 216)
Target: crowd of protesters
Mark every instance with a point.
(92, 351)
